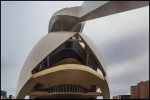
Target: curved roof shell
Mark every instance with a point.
(43, 47)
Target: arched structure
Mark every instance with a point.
(64, 63)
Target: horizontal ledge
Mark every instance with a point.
(74, 40)
(69, 67)
(93, 94)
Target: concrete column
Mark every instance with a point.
(48, 61)
(93, 88)
(87, 55)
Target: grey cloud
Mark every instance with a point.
(125, 48)
(128, 73)
(24, 23)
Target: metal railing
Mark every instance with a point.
(66, 88)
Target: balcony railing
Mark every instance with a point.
(66, 88)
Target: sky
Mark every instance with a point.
(122, 40)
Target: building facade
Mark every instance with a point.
(3, 93)
(122, 97)
(140, 91)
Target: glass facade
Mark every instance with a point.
(67, 50)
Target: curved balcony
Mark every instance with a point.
(50, 84)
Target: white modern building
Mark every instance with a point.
(64, 63)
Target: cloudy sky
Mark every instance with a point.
(122, 39)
